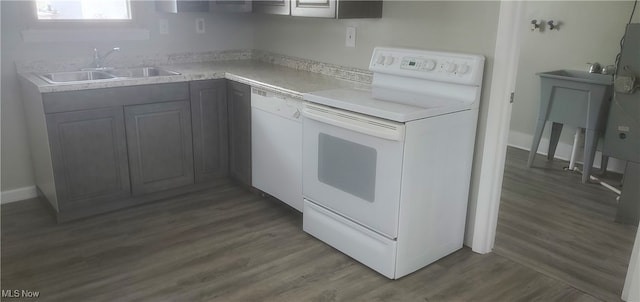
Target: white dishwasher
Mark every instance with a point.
(276, 146)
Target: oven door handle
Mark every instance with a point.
(355, 122)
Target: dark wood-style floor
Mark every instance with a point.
(226, 244)
(553, 223)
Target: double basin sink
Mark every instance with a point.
(99, 75)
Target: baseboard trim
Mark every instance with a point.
(18, 194)
(563, 150)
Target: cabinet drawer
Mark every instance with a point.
(114, 96)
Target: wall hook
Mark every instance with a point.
(535, 25)
(553, 26)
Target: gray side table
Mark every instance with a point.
(574, 98)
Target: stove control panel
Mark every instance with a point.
(440, 66)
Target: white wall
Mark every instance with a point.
(590, 32)
(436, 25)
(233, 31)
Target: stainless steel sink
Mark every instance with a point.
(99, 75)
(578, 76)
(75, 76)
(142, 72)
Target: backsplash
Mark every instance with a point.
(339, 72)
(210, 56)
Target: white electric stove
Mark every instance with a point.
(386, 171)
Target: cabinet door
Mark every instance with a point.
(314, 8)
(341, 9)
(179, 6)
(160, 146)
(273, 7)
(231, 6)
(89, 157)
(210, 129)
(239, 102)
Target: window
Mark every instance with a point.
(83, 10)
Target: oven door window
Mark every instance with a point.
(347, 166)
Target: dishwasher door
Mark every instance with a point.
(276, 146)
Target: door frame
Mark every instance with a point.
(494, 150)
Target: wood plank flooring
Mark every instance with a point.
(552, 222)
(226, 244)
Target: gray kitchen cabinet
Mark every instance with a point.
(89, 156)
(239, 103)
(100, 150)
(179, 6)
(160, 148)
(272, 7)
(231, 6)
(210, 129)
(340, 9)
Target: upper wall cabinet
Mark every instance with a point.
(340, 9)
(178, 6)
(273, 7)
(231, 6)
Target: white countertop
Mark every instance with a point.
(285, 80)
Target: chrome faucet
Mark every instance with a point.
(98, 60)
(595, 67)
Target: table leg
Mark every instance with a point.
(537, 135)
(556, 129)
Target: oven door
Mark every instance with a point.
(352, 165)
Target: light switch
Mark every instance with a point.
(351, 36)
(200, 25)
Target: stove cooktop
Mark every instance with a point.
(362, 101)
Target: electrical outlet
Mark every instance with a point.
(163, 26)
(200, 25)
(351, 37)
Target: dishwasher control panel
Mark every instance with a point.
(275, 103)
